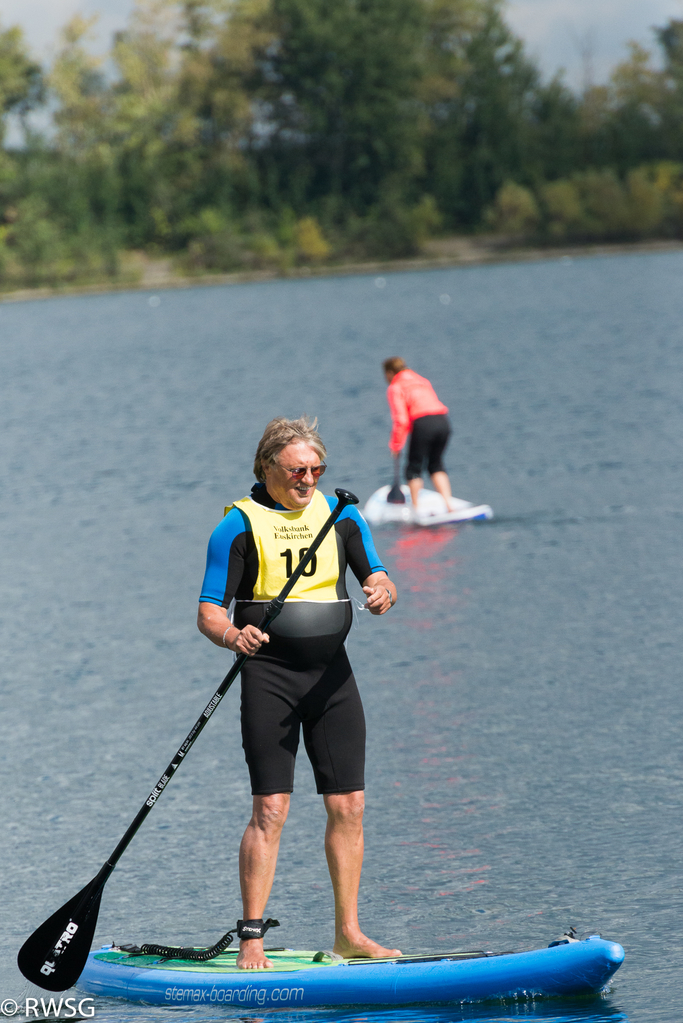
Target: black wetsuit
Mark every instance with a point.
(428, 442)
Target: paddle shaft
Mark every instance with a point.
(85, 905)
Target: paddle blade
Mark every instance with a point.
(396, 495)
(55, 954)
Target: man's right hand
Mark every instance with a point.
(214, 623)
(247, 641)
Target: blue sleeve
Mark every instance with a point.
(364, 536)
(223, 572)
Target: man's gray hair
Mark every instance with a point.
(278, 434)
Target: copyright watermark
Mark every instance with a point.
(44, 1008)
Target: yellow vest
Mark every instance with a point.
(281, 539)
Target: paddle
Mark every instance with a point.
(55, 954)
(396, 495)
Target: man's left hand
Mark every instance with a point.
(379, 600)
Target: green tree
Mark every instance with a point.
(555, 140)
(490, 117)
(515, 211)
(337, 116)
(77, 84)
(563, 210)
(75, 172)
(21, 80)
(670, 39)
(623, 121)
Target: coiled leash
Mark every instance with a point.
(245, 929)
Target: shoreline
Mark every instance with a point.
(438, 253)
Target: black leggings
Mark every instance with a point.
(278, 700)
(427, 442)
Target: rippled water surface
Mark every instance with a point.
(523, 697)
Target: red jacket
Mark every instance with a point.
(410, 397)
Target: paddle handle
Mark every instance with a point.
(273, 609)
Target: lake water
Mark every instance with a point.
(523, 697)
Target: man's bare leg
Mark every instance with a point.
(442, 485)
(258, 858)
(344, 851)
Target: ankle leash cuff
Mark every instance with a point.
(254, 928)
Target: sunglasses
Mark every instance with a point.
(298, 474)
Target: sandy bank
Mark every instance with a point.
(159, 274)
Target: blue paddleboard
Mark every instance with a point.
(308, 979)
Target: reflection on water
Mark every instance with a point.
(592, 1010)
(422, 554)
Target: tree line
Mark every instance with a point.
(248, 133)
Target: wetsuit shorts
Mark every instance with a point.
(277, 704)
(428, 442)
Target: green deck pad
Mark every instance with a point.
(420, 957)
(288, 961)
(285, 961)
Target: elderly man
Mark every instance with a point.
(299, 675)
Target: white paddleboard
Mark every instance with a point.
(431, 509)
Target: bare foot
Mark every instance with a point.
(357, 946)
(252, 956)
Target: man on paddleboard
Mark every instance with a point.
(416, 410)
(298, 676)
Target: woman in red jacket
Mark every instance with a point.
(416, 410)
